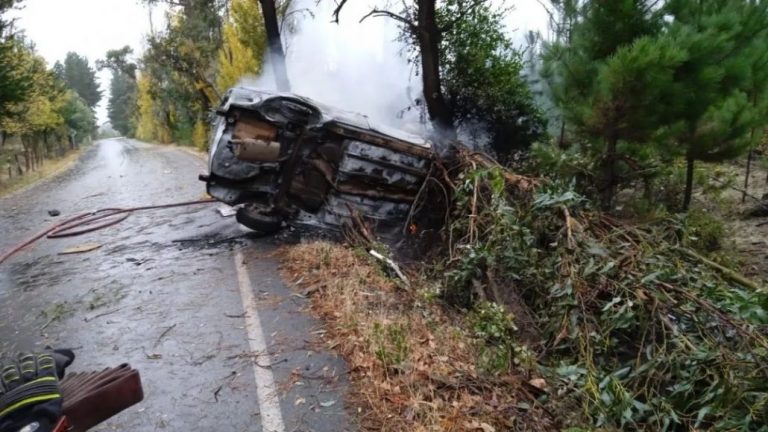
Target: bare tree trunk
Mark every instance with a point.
(746, 176)
(428, 34)
(561, 139)
(275, 45)
(688, 184)
(18, 165)
(609, 173)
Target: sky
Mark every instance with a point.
(92, 27)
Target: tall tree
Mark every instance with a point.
(482, 77)
(461, 48)
(14, 78)
(722, 39)
(81, 77)
(121, 108)
(419, 21)
(118, 60)
(122, 103)
(178, 70)
(601, 81)
(237, 57)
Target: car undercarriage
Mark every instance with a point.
(285, 158)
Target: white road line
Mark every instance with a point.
(269, 403)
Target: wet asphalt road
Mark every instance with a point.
(163, 293)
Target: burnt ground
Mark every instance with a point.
(162, 293)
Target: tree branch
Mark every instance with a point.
(383, 13)
(337, 11)
(462, 14)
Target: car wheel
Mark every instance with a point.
(259, 221)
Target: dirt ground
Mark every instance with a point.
(749, 235)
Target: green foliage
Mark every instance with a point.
(14, 78)
(482, 76)
(704, 232)
(239, 57)
(122, 103)
(246, 18)
(495, 329)
(630, 83)
(391, 344)
(80, 77)
(610, 79)
(78, 117)
(635, 332)
(179, 70)
(118, 61)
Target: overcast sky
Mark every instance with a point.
(91, 27)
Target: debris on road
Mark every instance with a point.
(53, 213)
(226, 211)
(83, 248)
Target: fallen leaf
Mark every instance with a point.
(87, 247)
(328, 403)
(487, 428)
(539, 383)
(299, 401)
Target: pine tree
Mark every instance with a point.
(81, 77)
(757, 91)
(603, 78)
(717, 109)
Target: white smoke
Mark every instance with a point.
(363, 67)
(360, 67)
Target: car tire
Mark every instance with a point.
(259, 221)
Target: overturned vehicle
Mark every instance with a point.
(286, 158)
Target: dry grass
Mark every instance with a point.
(412, 364)
(48, 168)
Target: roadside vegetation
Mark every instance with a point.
(593, 281)
(45, 113)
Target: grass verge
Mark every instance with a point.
(48, 168)
(413, 363)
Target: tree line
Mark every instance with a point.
(44, 111)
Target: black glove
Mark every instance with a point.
(29, 390)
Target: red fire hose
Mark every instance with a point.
(86, 222)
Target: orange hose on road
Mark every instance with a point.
(84, 222)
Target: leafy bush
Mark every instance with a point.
(703, 231)
(638, 333)
(495, 329)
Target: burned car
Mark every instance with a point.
(286, 158)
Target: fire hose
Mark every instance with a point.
(91, 221)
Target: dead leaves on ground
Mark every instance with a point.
(412, 366)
